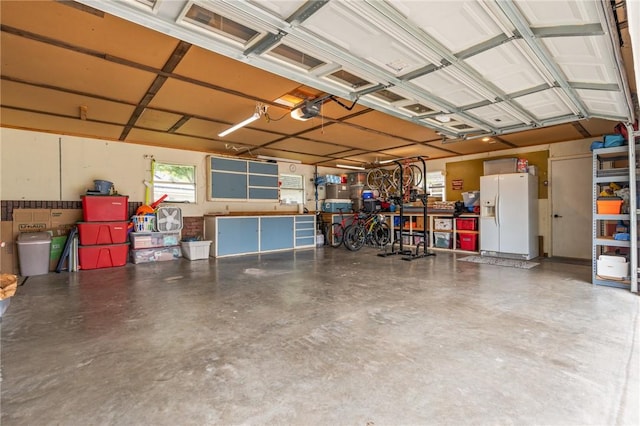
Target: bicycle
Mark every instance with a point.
(367, 229)
(336, 231)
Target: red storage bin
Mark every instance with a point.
(468, 242)
(105, 208)
(91, 233)
(466, 223)
(103, 256)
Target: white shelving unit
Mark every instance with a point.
(417, 229)
(615, 165)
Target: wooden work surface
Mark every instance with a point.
(263, 213)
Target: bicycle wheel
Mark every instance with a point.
(374, 177)
(381, 234)
(407, 177)
(354, 237)
(336, 234)
(416, 173)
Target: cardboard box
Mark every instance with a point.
(31, 220)
(64, 219)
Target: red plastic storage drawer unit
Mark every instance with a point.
(92, 233)
(468, 242)
(466, 223)
(105, 208)
(103, 256)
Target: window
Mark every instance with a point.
(177, 181)
(296, 57)
(291, 189)
(436, 185)
(209, 20)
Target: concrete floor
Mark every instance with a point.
(321, 337)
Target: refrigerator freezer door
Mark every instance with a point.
(489, 227)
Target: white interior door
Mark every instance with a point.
(571, 207)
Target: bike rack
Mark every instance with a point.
(402, 250)
(423, 244)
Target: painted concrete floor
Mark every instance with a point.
(321, 337)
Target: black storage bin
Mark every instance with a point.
(371, 205)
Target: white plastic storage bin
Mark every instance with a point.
(195, 250)
(440, 224)
(613, 267)
(442, 239)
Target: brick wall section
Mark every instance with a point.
(7, 206)
(193, 227)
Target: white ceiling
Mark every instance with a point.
(173, 73)
(491, 67)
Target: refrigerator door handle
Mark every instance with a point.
(497, 215)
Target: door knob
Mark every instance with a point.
(556, 215)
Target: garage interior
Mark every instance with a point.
(102, 90)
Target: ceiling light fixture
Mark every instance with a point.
(261, 109)
(284, 160)
(346, 166)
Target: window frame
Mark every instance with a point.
(442, 193)
(193, 186)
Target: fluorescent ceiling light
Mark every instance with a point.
(387, 161)
(346, 166)
(251, 119)
(284, 160)
(260, 110)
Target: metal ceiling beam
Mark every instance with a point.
(472, 78)
(306, 11)
(522, 27)
(496, 41)
(611, 87)
(585, 30)
(264, 44)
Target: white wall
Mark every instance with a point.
(43, 166)
(556, 150)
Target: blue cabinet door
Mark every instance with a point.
(237, 235)
(276, 233)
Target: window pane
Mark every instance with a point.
(436, 185)
(352, 80)
(177, 181)
(296, 57)
(218, 23)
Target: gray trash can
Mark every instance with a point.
(33, 252)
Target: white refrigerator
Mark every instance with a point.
(509, 215)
